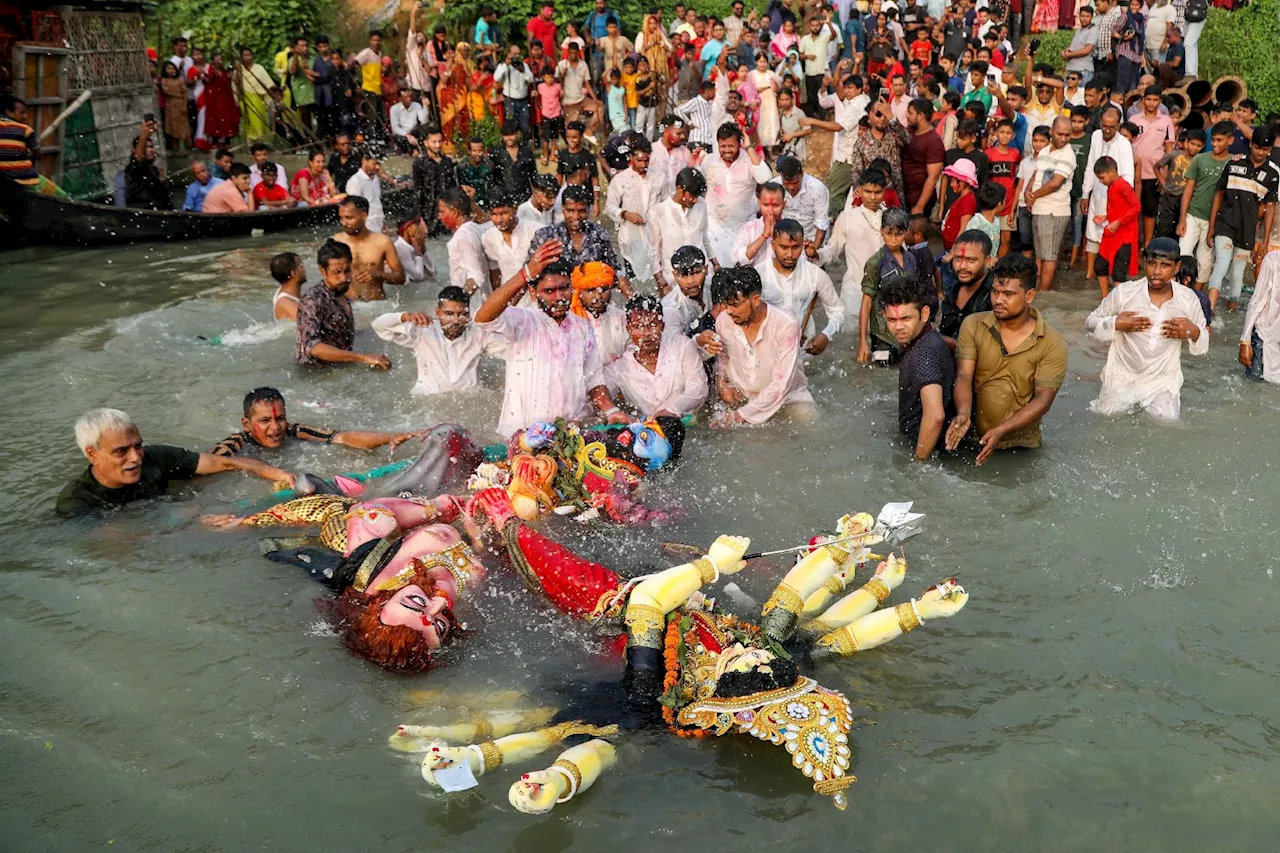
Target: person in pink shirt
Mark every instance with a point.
(552, 127)
(230, 196)
(1156, 139)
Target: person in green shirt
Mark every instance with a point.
(301, 81)
(978, 80)
(1197, 199)
(121, 471)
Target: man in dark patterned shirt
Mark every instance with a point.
(433, 173)
(883, 138)
(326, 327)
(582, 241)
(926, 372)
(266, 425)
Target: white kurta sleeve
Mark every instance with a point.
(695, 378)
(1263, 294)
(1102, 322)
(613, 200)
(390, 328)
(831, 303)
(1200, 345)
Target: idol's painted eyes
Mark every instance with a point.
(414, 601)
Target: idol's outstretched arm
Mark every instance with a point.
(876, 629)
(862, 601)
(498, 723)
(491, 754)
(573, 772)
(655, 597)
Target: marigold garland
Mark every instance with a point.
(671, 657)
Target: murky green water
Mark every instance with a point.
(1111, 685)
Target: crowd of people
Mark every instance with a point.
(962, 172)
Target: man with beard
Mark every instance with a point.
(506, 244)
(670, 155)
(447, 351)
(1010, 362)
(632, 194)
(926, 370)
(759, 373)
(792, 283)
(267, 425)
(580, 241)
(553, 366)
(366, 183)
(374, 260)
(966, 286)
(731, 181)
(326, 326)
(1106, 141)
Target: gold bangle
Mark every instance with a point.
(834, 585)
(842, 641)
(484, 729)
(574, 775)
(878, 588)
(707, 570)
(645, 624)
(492, 755)
(786, 598)
(908, 621)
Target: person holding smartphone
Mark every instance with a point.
(143, 185)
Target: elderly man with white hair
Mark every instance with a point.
(121, 471)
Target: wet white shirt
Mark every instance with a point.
(767, 371)
(731, 192)
(443, 365)
(679, 312)
(808, 207)
(1144, 369)
(670, 226)
(1263, 316)
(550, 367)
(509, 257)
(528, 213)
(668, 164)
(793, 292)
(370, 189)
(857, 234)
(467, 259)
(416, 267)
(610, 330)
(630, 192)
(678, 384)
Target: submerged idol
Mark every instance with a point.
(697, 669)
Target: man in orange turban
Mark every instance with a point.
(593, 286)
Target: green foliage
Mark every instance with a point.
(1243, 44)
(1051, 46)
(486, 129)
(264, 26)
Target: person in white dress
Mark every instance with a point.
(661, 372)
(758, 368)
(553, 367)
(857, 234)
(632, 193)
(767, 85)
(1107, 141)
(1146, 321)
(1260, 338)
(753, 244)
(506, 244)
(411, 249)
(793, 284)
(732, 176)
(468, 264)
(678, 220)
(447, 349)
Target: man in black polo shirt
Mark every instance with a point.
(1245, 199)
(926, 371)
(266, 425)
(120, 471)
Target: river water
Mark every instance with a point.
(1110, 686)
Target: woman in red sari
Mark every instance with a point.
(222, 116)
(455, 119)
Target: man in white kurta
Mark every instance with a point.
(1107, 141)
(413, 256)
(553, 366)
(1260, 339)
(732, 175)
(1146, 322)
(468, 264)
(754, 243)
(689, 299)
(632, 193)
(678, 220)
(793, 284)
(806, 200)
(670, 155)
(677, 386)
(447, 349)
(764, 369)
(856, 234)
(367, 185)
(506, 244)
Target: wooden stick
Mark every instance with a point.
(65, 114)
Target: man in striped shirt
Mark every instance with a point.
(265, 425)
(18, 146)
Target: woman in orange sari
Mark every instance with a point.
(482, 92)
(652, 42)
(452, 95)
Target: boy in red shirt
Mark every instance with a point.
(269, 193)
(922, 48)
(1002, 169)
(1119, 244)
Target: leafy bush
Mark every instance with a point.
(263, 26)
(1243, 44)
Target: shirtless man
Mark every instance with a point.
(374, 259)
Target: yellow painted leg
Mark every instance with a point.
(863, 600)
(492, 754)
(410, 738)
(573, 772)
(876, 629)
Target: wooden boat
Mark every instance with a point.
(43, 219)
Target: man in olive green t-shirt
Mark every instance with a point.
(1197, 199)
(1008, 361)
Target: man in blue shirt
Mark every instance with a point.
(711, 50)
(594, 28)
(855, 36)
(199, 188)
(486, 32)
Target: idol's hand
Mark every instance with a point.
(892, 571)
(224, 521)
(441, 756)
(492, 503)
(537, 792)
(726, 552)
(945, 599)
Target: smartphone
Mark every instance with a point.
(149, 117)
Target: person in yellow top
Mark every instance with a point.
(252, 85)
(629, 77)
(370, 60)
